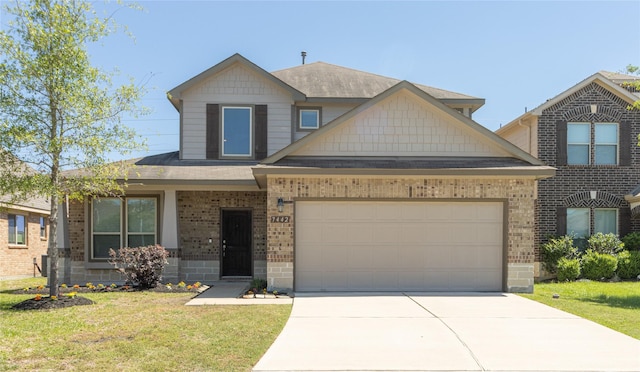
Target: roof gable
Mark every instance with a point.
(597, 78)
(175, 94)
(402, 121)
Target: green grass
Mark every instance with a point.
(135, 331)
(614, 305)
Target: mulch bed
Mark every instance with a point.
(42, 301)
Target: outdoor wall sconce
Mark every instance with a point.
(280, 205)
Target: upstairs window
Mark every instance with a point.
(578, 143)
(309, 119)
(601, 148)
(606, 143)
(17, 229)
(237, 131)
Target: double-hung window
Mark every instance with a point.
(601, 148)
(606, 143)
(120, 222)
(579, 221)
(237, 131)
(17, 229)
(578, 143)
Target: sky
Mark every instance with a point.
(514, 54)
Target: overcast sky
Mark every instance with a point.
(514, 54)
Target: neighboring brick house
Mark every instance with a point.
(589, 134)
(322, 178)
(24, 233)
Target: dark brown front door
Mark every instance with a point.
(236, 243)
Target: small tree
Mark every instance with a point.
(57, 111)
(141, 265)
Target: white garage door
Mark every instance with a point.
(398, 246)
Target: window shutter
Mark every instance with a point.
(624, 221)
(213, 130)
(561, 221)
(260, 132)
(561, 142)
(625, 143)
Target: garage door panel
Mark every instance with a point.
(411, 257)
(419, 246)
(385, 281)
(360, 280)
(385, 257)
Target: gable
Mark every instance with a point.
(593, 102)
(402, 124)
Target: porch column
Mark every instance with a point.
(169, 237)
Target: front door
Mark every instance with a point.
(236, 243)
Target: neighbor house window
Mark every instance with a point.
(606, 143)
(309, 118)
(43, 227)
(579, 221)
(237, 131)
(130, 221)
(599, 149)
(17, 229)
(578, 143)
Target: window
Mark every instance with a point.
(130, 222)
(578, 143)
(579, 221)
(604, 143)
(43, 227)
(17, 229)
(309, 118)
(236, 131)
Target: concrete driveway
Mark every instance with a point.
(440, 332)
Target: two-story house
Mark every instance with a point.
(589, 134)
(322, 178)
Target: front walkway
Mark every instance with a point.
(440, 332)
(229, 293)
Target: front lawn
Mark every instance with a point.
(614, 305)
(134, 331)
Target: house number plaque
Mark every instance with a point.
(281, 219)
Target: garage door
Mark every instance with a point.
(398, 246)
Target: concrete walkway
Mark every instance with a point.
(436, 332)
(229, 292)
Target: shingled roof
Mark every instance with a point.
(324, 80)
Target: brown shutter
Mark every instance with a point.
(561, 142)
(561, 221)
(260, 132)
(213, 130)
(624, 222)
(625, 143)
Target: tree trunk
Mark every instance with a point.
(52, 250)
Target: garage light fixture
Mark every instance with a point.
(280, 205)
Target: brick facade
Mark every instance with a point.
(17, 260)
(198, 214)
(572, 184)
(519, 194)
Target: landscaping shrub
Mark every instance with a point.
(628, 264)
(596, 266)
(632, 241)
(555, 249)
(568, 269)
(258, 283)
(605, 243)
(142, 265)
